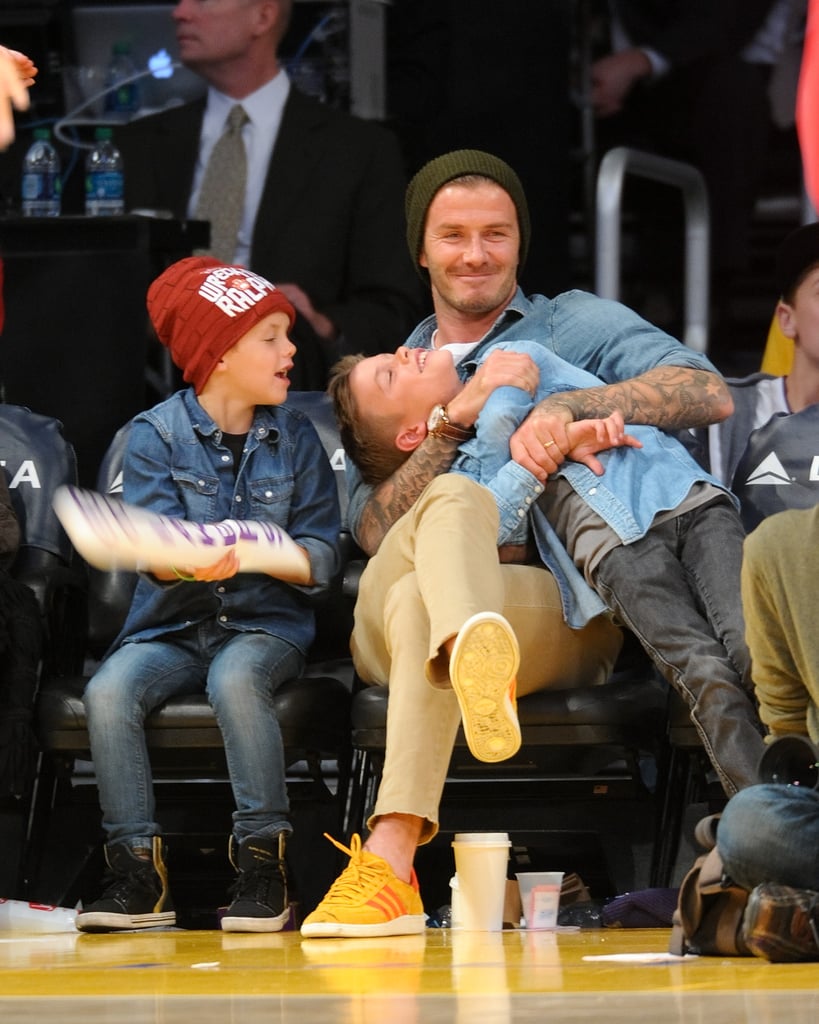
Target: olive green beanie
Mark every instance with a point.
(434, 175)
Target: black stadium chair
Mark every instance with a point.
(36, 459)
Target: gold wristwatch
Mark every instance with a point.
(440, 425)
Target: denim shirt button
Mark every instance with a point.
(225, 458)
(521, 513)
(268, 494)
(592, 490)
(238, 498)
(223, 618)
(220, 590)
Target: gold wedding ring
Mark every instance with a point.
(548, 444)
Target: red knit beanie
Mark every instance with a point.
(200, 308)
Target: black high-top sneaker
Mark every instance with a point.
(259, 895)
(134, 892)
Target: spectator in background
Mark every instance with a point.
(689, 79)
(765, 451)
(322, 209)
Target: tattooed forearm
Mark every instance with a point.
(670, 397)
(398, 493)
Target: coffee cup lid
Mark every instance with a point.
(482, 838)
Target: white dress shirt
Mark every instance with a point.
(264, 110)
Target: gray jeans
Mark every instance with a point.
(677, 589)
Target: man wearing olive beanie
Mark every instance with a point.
(460, 164)
(468, 231)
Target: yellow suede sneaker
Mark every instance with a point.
(366, 900)
(483, 672)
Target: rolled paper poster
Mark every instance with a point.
(111, 534)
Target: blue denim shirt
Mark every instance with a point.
(603, 337)
(176, 464)
(636, 485)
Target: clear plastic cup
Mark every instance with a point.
(540, 897)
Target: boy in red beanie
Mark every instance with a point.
(225, 448)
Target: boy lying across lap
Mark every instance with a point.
(653, 537)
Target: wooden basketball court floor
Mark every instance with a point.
(177, 976)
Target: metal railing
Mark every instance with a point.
(613, 168)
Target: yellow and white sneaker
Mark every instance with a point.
(483, 672)
(367, 899)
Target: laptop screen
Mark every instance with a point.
(149, 32)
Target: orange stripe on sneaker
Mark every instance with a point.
(388, 902)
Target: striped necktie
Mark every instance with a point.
(222, 195)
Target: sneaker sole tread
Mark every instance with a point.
(484, 661)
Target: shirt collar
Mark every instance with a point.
(263, 107)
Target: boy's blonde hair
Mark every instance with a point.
(367, 440)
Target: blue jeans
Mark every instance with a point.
(770, 833)
(677, 590)
(240, 672)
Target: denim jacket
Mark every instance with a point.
(636, 485)
(603, 337)
(176, 465)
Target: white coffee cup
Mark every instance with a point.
(481, 860)
(540, 897)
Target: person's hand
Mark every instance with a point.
(541, 440)
(322, 325)
(587, 437)
(17, 73)
(549, 436)
(499, 369)
(222, 569)
(613, 77)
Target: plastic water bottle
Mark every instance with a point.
(104, 179)
(121, 99)
(42, 186)
(19, 916)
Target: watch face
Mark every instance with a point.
(436, 417)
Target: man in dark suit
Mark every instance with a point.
(323, 210)
(688, 79)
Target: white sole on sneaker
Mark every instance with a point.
(407, 924)
(103, 921)
(256, 924)
(482, 669)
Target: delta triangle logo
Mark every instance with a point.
(769, 471)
